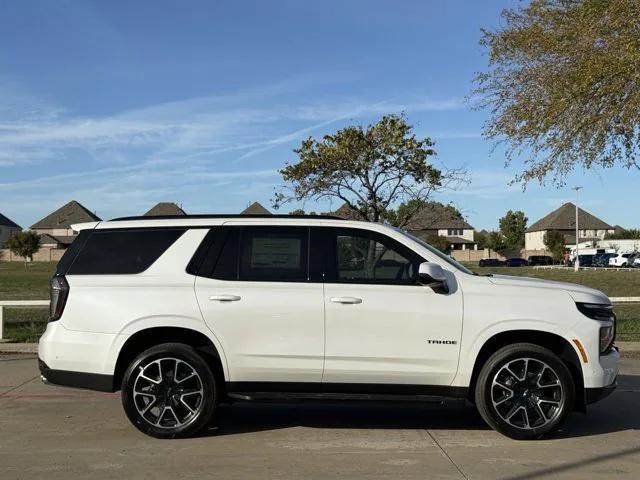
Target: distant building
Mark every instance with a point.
(165, 209)
(255, 209)
(55, 229)
(435, 219)
(346, 212)
(563, 220)
(7, 228)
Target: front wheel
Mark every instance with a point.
(169, 391)
(524, 391)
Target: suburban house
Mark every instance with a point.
(7, 228)
(55, 229)
(440, 220)
(563, 219)
(163, 209)
(435, 219)
(255, 209)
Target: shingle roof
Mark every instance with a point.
(454, 239)
(346, 212)
(65, 240)
(165, 208)
(564, 218)
(6, 222)
(255, 209)
(65, 216)
(436, 216)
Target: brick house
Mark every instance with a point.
(435, 219)
(55, 229)
(7, 228)
(563, 220)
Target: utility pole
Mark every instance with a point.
(576, 263)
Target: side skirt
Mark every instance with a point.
(283, 391)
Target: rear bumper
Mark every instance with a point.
(66, 378)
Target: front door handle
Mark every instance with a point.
(347, 300)
(225, 298)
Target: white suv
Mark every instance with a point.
(183, 313)
(621, 260)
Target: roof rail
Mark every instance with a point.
(221, 215)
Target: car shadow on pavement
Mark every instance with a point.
(252, 417)
(615, 413)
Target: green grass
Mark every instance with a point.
(613, 283)
(628, 322)
(33, 322)
(20, 283)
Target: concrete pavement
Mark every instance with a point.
(50, 432)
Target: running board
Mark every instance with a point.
(336, 397)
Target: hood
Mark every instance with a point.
(579, 293)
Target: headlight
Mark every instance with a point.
(607, 336)
(601, 312)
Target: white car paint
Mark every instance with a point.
(293, 332)
(620, 260)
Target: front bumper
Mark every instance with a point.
(608, 364)
(592, 395)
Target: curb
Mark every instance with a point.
(32, 348)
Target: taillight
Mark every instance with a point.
(59, 295)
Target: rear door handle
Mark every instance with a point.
(225, 298)
(347, 300)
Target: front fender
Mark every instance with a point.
(469, 350)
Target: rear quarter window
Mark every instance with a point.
(122, 251)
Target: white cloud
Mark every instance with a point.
(488, 184)
(125, 161)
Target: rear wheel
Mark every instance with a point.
(524, 391)
(169, 391)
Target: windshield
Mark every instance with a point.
(436, 252)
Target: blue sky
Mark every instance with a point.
(120, 105)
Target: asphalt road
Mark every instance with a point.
(58, 433)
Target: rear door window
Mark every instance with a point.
(274, 254)
(268, 254)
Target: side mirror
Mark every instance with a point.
(432, 275)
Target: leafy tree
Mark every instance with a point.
(495, 241)
(439, 242)
(624, 234)
(562, 85)
(512, 227)
(554, 241)
(369, 169)
(297, 211)
(482, 238)
(24, 244)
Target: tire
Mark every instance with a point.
(518, 403)
(161, 406)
